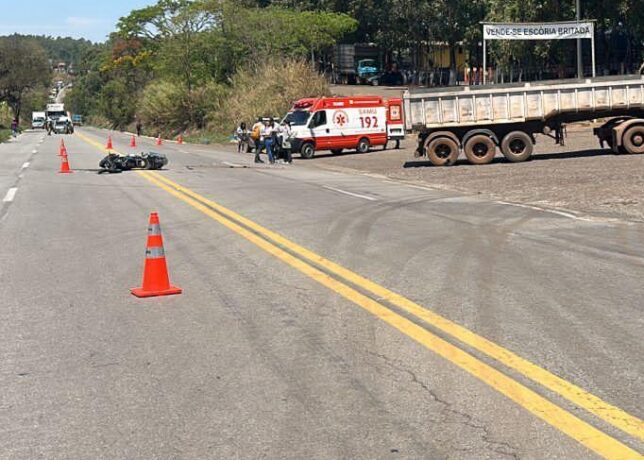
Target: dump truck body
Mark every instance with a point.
(497, 111)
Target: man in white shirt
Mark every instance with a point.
(268, 136)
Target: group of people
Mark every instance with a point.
(267, 135)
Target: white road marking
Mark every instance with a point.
(344, 192)
(11, 194)
(34, 151)
(568, 215)
(25, 165)
(233, 165)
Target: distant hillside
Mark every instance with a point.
(67, 49)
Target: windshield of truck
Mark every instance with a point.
(298, 117)
(54, 115)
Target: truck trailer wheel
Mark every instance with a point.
(363, 145)
(633, 140)
(517, 147)
(307, 151)
(480, 149)
(442, 151)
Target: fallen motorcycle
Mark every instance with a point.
(115, 163)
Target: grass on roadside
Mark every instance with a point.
(5, 134)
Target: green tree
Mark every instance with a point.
(23, 68)
(115, 103)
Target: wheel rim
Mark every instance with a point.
(443, 151)
(480, 150)
(637, 139)
(517, 146)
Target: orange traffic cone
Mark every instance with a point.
(64, 165)
(180, 139)
(109, 143)
(159, 141)
(133, 141)
(62, 150)
(155, 273)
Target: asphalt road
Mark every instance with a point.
(275, 352)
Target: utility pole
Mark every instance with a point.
(580, 64)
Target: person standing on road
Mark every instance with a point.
(256, 136)
(269, 139)
(14, 127)
(242, 138)
(139, 127)
(284, 134)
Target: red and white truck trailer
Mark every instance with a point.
(481, 119)
(344, 123)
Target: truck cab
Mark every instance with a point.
(366, 69)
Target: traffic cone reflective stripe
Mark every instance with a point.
(62, 150)
(133, 141)
(64, 165)
(155, 273)
(109, 143)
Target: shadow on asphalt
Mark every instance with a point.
(535, 157)
(345, 154)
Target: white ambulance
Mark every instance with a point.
(344, 123)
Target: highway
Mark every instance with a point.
(324, 315)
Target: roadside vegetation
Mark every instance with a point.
(199, 67)
(24, 76)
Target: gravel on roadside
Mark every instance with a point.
(577, 177)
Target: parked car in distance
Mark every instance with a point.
(77, 120)
(38, 120)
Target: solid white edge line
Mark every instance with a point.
(537, 208)
(11, 194)
(25, 165)
(344, 192)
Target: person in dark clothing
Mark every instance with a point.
(14, 127)
(139, 128)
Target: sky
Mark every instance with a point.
(92, 20)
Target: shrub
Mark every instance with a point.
(169, 108)
(268, 89)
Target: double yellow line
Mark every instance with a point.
(320, 269)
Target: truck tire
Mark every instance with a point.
(480, 149)
(442, 151)
(517, 146)
(307, 151)
(633, 139)
(363, 145)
